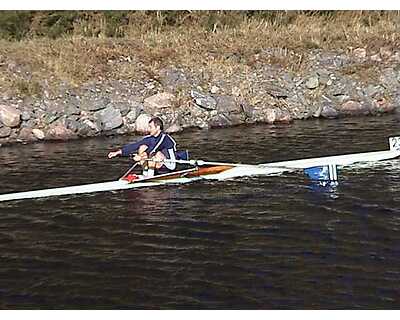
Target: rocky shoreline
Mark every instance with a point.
(329, 85)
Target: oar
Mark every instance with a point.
(207, 163)
(212, 163)
(129, 171)
(200, 163)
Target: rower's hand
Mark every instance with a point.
(113, 154)
(140, 157)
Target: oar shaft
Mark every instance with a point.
(212, 163)
(129, 171)
(208, 163)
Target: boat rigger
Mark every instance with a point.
(213, 170)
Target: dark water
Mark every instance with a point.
(269, 242)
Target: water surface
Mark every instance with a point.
(270, 242)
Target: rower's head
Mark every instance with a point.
(156, 126)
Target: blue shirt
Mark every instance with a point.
(163, 142)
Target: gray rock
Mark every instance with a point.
(10, 116)
(283, 116)
(247, 109)
(73, 125)
(354, 108)
(227, 104)
(312, 82)
(25, 115)
(203, 101)
(396, 102)
(390, 79)
(124, 108)
(172, 78)
(89, 104)
(26, 135)
(157, 102)
(329, 112)
(381, 105)
(324, 77)
(299, 107)
(5, 132)
(39, 134)
(133, 114)
(58, 131)
(373, 90)
(73, 101)
(130, 127)
(31, 123)
(71, 109)
(142, 123)
(286, 82)
(222, 120)
(110, 118)
(274, 115)
(51, 117)
(121, 130)
(174, 128)
(276, 91)
(87, 128)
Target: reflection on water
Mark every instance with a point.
(266, 242)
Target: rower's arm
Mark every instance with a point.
(128, 149)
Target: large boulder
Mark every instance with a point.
(126, 107)
(353, 108)
(5, 132)
(328, 112)
(58, 131)
(312, 82)
(174, 128)
(109, 118)
(274, 115)
(90, 104)
(221, 120)
(270, 115)
(70, 110)
(382, 105)
(227, 104)
(128, 126)
(87, 128)
(134, 112)
(26, 135)
(39, 134)
(72, 124)
(10, 116)
(206, 102)
(142, 123)
(158, 102)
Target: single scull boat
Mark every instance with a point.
(213, 170)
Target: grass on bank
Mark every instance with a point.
(137, 45)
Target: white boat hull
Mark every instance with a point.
(250, 170)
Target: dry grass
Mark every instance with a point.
(217, 50)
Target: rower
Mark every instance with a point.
(152, 150)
